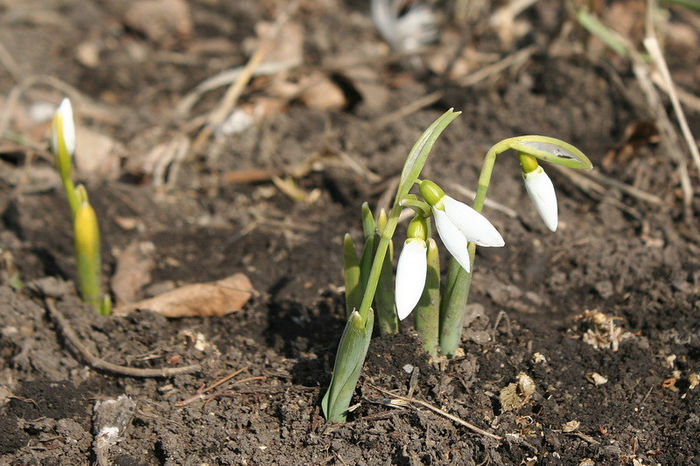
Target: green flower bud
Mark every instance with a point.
(417, 228)
(431, 192)
(527, 162)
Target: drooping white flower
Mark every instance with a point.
(411, 272)
(474, 226)
(452, 238)
(541, 190)
(63, 129)
(458, 224)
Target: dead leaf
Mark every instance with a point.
(198, 300)
(516, 394)
(134, 267)
(162, 21)
(320, 92)
(97, 156)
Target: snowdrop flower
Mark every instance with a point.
(458, 224)
(412, 268)
(541, 190)
(407, 32)
(63, 129)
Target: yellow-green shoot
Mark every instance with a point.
(85, 228)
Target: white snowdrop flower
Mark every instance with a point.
(411, 271)
(63, 129)
(474, 226)
(412, 268)
(541, 190)
(408, 32)
(458, 224)
(452, 238)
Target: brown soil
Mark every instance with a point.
(615, 253)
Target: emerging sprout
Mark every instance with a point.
(63, 148)
(85, 228)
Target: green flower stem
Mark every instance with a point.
(458, 280)
(427, 311)
(70, 194)
(376, 270)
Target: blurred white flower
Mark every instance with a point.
(63, 129)
(407, 32)
(541, 191)
(411, 271)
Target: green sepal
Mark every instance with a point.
(368, 225)
(351, 274)
(384, 298)
(381, 220)
(349, 359)
(427, 312)
(551, 150)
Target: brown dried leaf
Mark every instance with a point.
(134, 267)
(321, 92)
(97, 156)
(198, 300)
(162, 21)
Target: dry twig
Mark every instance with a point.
(439, 411)
(102, 365)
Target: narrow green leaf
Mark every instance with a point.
(551, 150)
(427, 312)
(366, 260)
(351, 274)
(386, 310)
(349, 359)
(593, 25)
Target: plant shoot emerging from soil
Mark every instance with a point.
(85, 228)
(439, 316)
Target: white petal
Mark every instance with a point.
(452, 238)
(65, 114)
(541, 191)
(411, 271)
(474, 226)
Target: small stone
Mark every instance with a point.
(605, 289)
(596, 379)
(570, 426)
